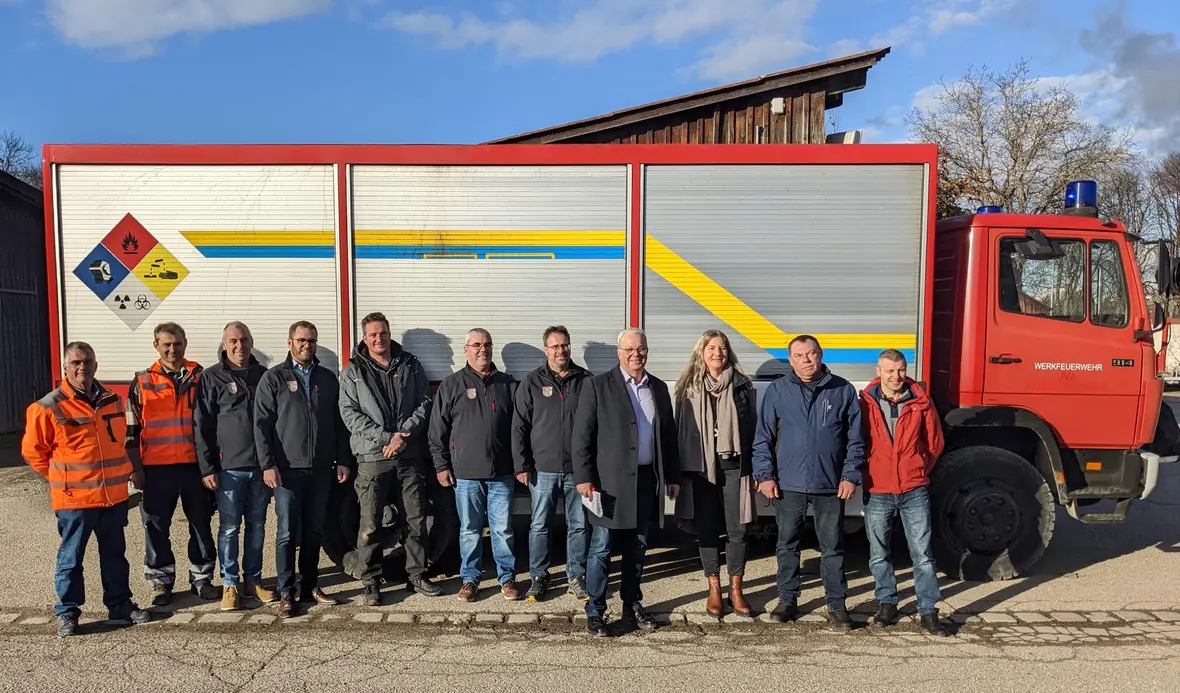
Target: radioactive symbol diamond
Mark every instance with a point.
(160, 271)
(132, 301)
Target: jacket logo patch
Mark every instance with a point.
(233, 388)
(471, 393)
(547, 390)
(293, 385)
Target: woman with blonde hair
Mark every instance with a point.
(715, 417)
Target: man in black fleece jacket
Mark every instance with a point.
(224, 425)
(471, 442)
(302, 447)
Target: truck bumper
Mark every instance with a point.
(1151, 470)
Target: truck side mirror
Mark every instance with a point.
(1159, 315)
(1165, 271)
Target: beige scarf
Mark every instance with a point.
(697, 451)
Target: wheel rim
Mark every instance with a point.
(985, 516)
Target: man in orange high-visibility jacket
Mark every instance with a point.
(74, 438)
(160, 433)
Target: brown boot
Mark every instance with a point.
(262, 594)
(736, 599)
(713, 606)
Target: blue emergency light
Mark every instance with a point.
(990, 209)
(1081, 198)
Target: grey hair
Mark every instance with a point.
(479, 330)
(79, 346)
(631, 330)
(240, 325)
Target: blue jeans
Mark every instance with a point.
(241, 495)
(828, 513)
(632, 546)
(480, 502)
(75, 527)
(301, 503)
(544, 489)
(914, 508)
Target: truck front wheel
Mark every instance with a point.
(992, 511)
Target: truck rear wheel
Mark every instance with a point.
(993, 514)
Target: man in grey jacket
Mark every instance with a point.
(385, 404)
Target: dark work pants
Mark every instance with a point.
(828, 511)
(301, 502)
(376, 484)
(717, 511)
(632, 546)
(163, 485)
(75, 528)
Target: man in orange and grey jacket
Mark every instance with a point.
(160, 407)
(74, 438)
(904, 439)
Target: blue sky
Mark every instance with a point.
(463, 71)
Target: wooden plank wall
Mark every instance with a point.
(801, 122)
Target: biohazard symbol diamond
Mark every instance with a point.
(131, 271)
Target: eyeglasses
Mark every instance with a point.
(83, 362)
(642, 351)
(558, 347)
(300, 340)
(479, 346)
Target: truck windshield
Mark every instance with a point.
(1051, 288)
(1108, 285)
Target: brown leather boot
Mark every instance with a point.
(736, 599)
(713, 606)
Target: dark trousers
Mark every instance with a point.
(301, 501)
(74, 527)
(163, 485)
(828, 511)
(632, 546)
(716, 509)
(376, 484)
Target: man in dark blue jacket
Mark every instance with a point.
(809, 448)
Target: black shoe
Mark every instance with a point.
(932, 625)
(425, 587)
(205, 590)
(372, 595)
(66, 626)
(132, 613)
(643, 620)
(784, 612)
(161, 596)
(537, 588)
(886, 615)
(596, 626)
(839, 618)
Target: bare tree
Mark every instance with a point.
(1165, 193)
(19, 158)
(1009, 139)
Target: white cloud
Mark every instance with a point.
(741, 38)
(932, 18)
(136, 25)
(844, 47)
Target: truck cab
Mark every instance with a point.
(1046, 374)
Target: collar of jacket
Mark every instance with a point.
(187, 371)
(492, 371)
(914, 393)
(101, 392)
(224, 358)
(290, 362)
(823, 379)
(574, 371)
(361, 353)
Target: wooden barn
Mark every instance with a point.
(782, 107)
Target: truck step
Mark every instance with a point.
(1119, 514)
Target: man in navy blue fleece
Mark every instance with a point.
(809, 448)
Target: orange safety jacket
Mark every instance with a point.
(78, 447)
(163, 411)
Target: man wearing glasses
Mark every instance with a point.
(542, 422)
(626, 455)
(471, 443)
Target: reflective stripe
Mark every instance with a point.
(154, 387)
(166, 440)
(52, 398)
(87, 465)
(166, 423)
(91, 483)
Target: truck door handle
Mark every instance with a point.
(1004, 359)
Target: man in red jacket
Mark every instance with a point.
(904, 439)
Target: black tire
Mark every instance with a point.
(993, 514)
